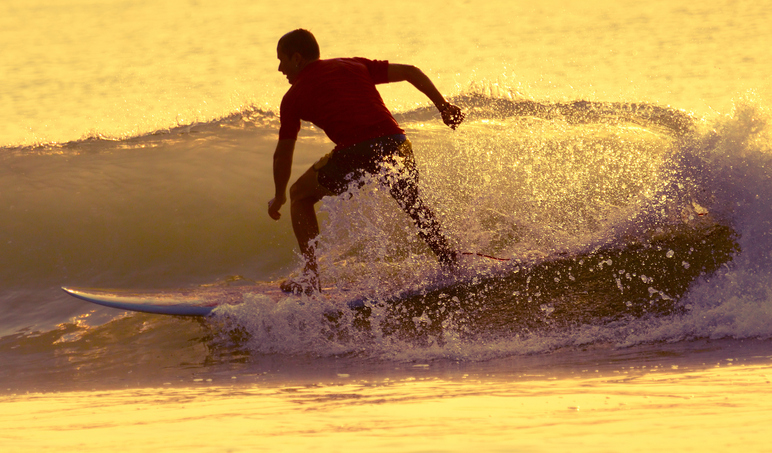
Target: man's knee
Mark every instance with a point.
(295, 192)
(406, 195)
(307, 189)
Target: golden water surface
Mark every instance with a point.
(723, 408)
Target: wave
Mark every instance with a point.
(476, 104)
(668, 245)
(249, 120)
(669, 215)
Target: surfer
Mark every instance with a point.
(339, 96)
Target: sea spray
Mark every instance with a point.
(736, 158)
(576, 200)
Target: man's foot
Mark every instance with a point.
(302, 285)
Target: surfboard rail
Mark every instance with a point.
(166, 303)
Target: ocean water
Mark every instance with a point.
(616, 154)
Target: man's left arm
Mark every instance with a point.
(451, 114)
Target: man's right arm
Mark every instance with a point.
(282, 170)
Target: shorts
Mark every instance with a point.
(340, 168)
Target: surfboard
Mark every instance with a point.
(598, 283)
(199, 301)
(174, 303)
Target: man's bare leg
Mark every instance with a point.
(404, 188)
(304, 194)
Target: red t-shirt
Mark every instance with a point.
(339, 96)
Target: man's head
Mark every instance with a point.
(295, 50)
(300, 41)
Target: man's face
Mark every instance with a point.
(289, 66)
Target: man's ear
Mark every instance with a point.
(297, 59)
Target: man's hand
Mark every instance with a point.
(452, 115)
(274, 205)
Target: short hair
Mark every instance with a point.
(300, 41)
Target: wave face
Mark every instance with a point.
(623, 223)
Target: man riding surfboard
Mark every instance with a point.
(340, 97)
